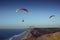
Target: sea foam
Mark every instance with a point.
(17, 37)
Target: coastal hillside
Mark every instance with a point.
(42, 34)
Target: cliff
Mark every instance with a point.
(42, 34)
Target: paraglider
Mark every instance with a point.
(52, 17)
(21, 9)
(24, 9)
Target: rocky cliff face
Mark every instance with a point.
(42, 34)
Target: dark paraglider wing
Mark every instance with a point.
(51, 16)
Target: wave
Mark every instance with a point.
(18, 37)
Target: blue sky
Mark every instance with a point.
(40, 11)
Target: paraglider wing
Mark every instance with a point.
(52, 16)
(22, 9)
(17, 10)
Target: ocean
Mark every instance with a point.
(7, 33)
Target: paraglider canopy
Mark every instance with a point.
(51, 16)
(22, 9)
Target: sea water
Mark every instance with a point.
(10, 34)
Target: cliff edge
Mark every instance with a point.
(42, 34)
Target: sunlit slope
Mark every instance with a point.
(42, 34)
